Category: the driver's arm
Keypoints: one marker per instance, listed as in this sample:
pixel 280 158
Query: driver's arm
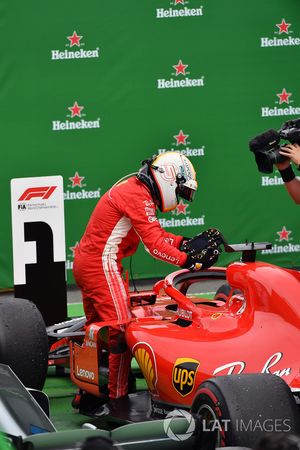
pixel 158 242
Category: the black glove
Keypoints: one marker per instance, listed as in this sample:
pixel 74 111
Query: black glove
pixel 203 250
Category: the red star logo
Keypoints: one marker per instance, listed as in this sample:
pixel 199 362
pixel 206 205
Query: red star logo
pixel 181 138
pixel 76 180
pixel 283 27
pixel 180 68
pixel 179 1
pixel 73 249
pixel 284 234
pixel 284 97
pixel 76 110
pixel 181 208
pixel 74 39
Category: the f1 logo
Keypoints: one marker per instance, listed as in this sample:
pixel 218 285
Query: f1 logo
pixel 44 192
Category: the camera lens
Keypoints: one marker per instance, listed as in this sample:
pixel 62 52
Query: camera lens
pixel 276 157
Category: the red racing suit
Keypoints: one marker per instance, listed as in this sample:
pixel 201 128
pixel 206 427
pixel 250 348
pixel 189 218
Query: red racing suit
pixel 124 216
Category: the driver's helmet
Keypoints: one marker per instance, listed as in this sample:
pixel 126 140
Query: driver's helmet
pixel 168 176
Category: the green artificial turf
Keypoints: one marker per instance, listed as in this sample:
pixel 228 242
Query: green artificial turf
pixel 61 391
pixel 4 443
pixel 75 310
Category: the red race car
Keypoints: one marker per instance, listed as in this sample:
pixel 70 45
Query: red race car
pixel 214 357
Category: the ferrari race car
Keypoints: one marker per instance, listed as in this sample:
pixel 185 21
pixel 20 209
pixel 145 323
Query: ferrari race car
pixel 232 361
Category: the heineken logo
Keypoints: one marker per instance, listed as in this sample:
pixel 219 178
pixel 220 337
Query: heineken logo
pixel 74 39
pixel 182 144
pixel 284 39
pixel 76 189
pixel 181 216
pixel 184 222
pixel 283 27
pixel 181 79
pixel 284 234
pixel 283 244
pixel 75 111
pixel 82 195
pixel 284 101
pixel 179 8
pixel 76 180
pixel 73 249
pixel 275 180
pixel 181 138
pixel 284 97
pixel 75 44
pixel 181 208
pixel 180 68
pixel 70 255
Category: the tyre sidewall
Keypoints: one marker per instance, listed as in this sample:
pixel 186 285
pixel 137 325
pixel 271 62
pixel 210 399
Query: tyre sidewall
pixel 23 341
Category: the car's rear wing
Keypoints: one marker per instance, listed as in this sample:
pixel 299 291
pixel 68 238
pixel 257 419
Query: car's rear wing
pixel 248 249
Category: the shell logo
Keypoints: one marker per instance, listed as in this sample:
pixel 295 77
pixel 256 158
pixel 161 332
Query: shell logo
pixel 144 355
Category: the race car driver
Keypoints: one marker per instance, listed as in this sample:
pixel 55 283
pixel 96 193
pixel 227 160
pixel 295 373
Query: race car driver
pixel 124 216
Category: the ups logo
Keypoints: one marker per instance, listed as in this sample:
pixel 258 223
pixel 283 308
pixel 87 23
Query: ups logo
pixel 184 374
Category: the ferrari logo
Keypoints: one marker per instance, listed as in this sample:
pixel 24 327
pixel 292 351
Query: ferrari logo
pixel 184 374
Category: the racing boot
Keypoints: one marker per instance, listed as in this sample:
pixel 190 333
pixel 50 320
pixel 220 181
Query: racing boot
pixel 89 404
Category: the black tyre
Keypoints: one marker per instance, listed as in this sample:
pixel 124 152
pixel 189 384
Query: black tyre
pixel 243 408
pixel 23 341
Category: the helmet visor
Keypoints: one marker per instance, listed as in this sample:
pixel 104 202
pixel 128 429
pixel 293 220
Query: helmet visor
pixel 185 192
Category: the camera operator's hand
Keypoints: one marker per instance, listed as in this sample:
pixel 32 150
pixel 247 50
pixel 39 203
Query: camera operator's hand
pixel 292 151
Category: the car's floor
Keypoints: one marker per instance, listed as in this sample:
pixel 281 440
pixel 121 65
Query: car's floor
pixel 61 391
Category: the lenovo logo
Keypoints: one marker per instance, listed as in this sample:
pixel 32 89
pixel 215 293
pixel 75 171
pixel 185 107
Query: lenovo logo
pixel 43 192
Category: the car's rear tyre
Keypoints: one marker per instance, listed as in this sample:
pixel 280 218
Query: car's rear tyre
pixel 23 341
pixel 245 407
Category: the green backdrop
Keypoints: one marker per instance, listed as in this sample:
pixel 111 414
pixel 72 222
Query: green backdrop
pixel 89 89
